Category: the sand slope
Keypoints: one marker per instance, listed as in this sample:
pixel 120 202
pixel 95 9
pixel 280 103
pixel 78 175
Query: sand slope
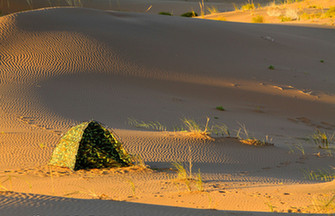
pixel 60 66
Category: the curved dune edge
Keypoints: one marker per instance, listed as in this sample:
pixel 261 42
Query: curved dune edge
pixel 63 65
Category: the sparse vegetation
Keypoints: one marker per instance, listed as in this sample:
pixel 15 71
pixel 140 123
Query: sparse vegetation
pixel 189 14
pixel 138 161
pixel 320 174
pixel 9 179
pixel 154 125
pixel 132 186
pixel 258 19
pixel 326 204
pixel 300 148
pixel 322 61
pixel 212 10
pixel 189 126
pixel 285 19
pixel 330 13
pixel 221 18
pixel 199 182
pixel 271 67
pixel 271 207
pixel 183 175
pixel 323 139
pixel 220 108
pixel 165 13
pixel 193 127
pixel 249 6
pixel 243 135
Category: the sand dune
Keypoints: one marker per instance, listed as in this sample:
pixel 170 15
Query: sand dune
pixel 61 66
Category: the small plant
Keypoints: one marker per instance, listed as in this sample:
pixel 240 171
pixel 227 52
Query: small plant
pixel 132 186
pixel 154 125
pixel 285 19
pixel 138 161
pixel 235 7
pixel 271 67
pixel 221 129
pixel 202 8
pixel 183 175
pixel 165 13
pixel 221 18
pixel 52 180
pixel 30 3
pixel 212 10
pixel 196 130
pixel 258 19
pixel 325 205
pixel 9 179
pixel 320 175
pixel 322 139
pixel 148 8
pixel 189 14
pixel 247 7
pixel 189 126
pixel 243 135
pixel 330 13
pixel 300 148
pixel 242 131
pixel 220 108
pixel 271 207
pixel 200 183
pixel 322 61
pixel 91 193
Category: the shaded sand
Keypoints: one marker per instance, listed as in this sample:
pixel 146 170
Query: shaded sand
pixel 60 66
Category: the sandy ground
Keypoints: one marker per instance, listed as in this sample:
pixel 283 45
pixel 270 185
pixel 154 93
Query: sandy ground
pixel 306 12
pixel 175 7
pixel 61 66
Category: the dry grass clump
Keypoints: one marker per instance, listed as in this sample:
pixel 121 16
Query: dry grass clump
pixel 258 19
pixel 247 7
pixel 330 13
pixel 255 142
pixel 193 129
pixel 186 177
pixel 189 127
pixel 323 139
pixel 243 135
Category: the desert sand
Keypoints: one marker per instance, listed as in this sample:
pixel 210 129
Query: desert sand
pixel 60 66
pixel 306 13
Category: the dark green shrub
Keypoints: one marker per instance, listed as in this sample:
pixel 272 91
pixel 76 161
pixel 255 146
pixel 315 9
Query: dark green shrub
pixel 165 13
pixel 189 14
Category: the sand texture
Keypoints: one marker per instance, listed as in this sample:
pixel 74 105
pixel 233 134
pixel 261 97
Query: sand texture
pixel 61 66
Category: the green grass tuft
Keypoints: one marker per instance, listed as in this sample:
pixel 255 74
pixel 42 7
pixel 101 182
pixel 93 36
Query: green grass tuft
pixel 220 108
pixel 271 67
